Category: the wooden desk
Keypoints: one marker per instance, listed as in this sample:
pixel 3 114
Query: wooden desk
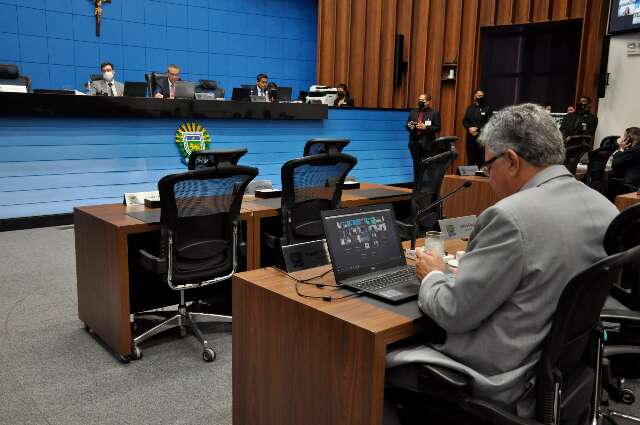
pixel 470 201
pixel 305 361
pixel 627 200
pixel 102 267
pixel 263 208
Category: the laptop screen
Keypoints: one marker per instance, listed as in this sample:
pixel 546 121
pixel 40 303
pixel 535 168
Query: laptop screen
pixel 362 240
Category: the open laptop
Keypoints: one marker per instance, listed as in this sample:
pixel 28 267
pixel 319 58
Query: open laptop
pixel 257 98
pixel 135 89
pixel 185 90
pixel 366 252
pixel 241 94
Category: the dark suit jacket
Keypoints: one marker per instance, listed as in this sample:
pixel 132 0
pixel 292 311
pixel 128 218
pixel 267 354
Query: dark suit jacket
pixel 578 124
pixel 429 133
pixel 476 116
pixel 348 102
pixel 162 87
pixel 626 165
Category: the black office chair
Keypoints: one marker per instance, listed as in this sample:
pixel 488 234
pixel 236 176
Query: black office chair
pixel 309 185
pixel 441 144
pixel 426 191
pixel 215 157
pixel 152 79
pixel 622 347
pixel 318 146
pixel 212 87
pixel 576 147
pixel 596 176
pixel 610 142
pixel 199 241
pixel 567 375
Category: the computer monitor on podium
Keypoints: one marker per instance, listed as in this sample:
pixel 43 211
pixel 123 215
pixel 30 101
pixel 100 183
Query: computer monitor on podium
pixel 318 146
pixel 215 157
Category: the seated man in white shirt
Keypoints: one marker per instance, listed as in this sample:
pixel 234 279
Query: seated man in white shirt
pixel 108 86
pixel 498 309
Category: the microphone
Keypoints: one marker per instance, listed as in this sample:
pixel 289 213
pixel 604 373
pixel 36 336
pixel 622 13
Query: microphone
pixel 464 185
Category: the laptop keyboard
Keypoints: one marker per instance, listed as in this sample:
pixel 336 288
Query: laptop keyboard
pixel 402 276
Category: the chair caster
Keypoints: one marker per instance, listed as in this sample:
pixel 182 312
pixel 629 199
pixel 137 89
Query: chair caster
pixel 627 396
pixel 88 329
pixel 136 353
pixel 208 355
pixel 124 359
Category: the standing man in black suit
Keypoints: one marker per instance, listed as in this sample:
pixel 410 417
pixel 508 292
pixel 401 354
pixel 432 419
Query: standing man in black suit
pixel 422 124
pixel 166 88
pixel 580 122
pixel 477 115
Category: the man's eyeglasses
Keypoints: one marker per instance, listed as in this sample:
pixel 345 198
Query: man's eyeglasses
pixel 486 168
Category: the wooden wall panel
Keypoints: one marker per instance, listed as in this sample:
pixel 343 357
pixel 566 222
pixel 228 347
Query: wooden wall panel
pixel 372 51
pixel 436 32
pixel 418 58
pixel 403 26
pixel 357 49
pixel 387 53
pixel 435 49
pixel 342 41
pixel 523 9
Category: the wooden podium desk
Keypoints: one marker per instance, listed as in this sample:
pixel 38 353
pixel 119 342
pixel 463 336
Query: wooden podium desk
pixel 627 200
pixel 308 361
pixel 469 201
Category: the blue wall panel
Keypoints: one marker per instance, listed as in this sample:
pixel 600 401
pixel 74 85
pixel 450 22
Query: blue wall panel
pixel 226 40
pixel 48 166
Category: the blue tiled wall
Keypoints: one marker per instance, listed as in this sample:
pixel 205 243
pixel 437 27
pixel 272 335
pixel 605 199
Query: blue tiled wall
pixel 54 41
pixel 48 165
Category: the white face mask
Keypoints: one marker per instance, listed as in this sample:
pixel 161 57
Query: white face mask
pixel 108 75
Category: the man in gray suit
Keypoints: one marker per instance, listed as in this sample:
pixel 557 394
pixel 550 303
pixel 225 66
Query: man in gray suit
pixel 108 86
pixel 523 250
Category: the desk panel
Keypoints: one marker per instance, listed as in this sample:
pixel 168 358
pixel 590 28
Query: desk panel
pixel 625 201
pixel 470 201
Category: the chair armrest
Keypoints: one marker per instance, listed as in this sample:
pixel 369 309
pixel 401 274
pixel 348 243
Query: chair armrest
pixel 620 316
pixel 494 414
pixel 152 263
pixel 273 241
pixel 405 230
pixel 617 350
pixel 443 383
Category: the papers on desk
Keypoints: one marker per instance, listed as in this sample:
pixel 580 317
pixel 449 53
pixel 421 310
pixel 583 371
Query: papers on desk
pixel 137 198
pixel 457 228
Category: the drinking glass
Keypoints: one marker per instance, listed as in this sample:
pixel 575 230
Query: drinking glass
pixel 433 241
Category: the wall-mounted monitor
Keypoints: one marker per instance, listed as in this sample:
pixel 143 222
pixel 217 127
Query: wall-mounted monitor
pixel 624 16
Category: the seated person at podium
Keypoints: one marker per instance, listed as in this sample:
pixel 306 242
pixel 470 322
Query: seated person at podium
pixel 261 88
pixel 626 161
pixel 343 98
pixel 108 86
pixel 498 308
pixel 166 88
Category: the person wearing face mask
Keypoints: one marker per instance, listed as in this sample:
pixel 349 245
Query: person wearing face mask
pixel 581 122
pixel 343 98
pixel 422 124
pixel 108 86
pixel 476 116
pixel 626 161
pixel 166 88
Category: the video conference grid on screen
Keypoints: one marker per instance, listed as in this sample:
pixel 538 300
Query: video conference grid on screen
pixel 365 240
pixel 625 16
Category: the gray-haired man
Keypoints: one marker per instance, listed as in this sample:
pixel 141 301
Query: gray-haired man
pixel 523 250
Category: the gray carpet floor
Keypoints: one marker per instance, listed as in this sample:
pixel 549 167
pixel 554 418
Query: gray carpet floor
pixel 53 372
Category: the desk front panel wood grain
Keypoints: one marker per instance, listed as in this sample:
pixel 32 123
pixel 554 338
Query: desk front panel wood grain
pixel 102 269
pixel 625 201
pixel 469 201
pixel 298 360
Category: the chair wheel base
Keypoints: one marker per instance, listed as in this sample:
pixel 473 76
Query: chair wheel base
pixel 208 355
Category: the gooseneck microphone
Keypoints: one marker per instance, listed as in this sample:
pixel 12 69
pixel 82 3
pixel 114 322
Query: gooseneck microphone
pixel 464 185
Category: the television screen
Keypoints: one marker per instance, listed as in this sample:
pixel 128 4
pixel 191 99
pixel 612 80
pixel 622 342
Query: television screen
pixel 624 16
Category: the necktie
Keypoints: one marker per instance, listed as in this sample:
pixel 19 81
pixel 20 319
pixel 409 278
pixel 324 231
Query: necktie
pixel 112 90
pixel 172 91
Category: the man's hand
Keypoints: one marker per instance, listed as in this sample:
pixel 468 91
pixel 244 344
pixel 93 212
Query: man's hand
pixel 473 131
pixel 427 262
pixel 411 125
pixel 625 144
pixel 158 96
pixel 421 126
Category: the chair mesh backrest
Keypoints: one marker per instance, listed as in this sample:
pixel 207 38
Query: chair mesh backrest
pixel 199 209
pixel 309 185
pixel 319 146
pixel 426 188
pixel 596 170
pixel 573 155
pixel 214 157
pixel 566 349
pixel 622 234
